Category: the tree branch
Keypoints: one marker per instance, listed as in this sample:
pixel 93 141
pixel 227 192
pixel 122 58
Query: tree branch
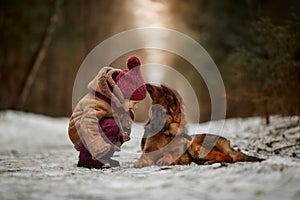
pixel 40 56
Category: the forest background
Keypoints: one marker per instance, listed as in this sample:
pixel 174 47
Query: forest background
pixel 254 43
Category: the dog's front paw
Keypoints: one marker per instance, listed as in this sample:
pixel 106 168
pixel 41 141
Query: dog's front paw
pixel 142 163
pixel 167 160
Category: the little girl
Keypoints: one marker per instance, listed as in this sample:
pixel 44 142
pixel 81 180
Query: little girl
pixel 101 121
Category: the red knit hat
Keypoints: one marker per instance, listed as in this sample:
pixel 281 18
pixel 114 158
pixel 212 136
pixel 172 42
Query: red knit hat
pixel 131 82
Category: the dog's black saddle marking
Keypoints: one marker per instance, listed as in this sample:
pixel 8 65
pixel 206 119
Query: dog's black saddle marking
pixel 184 135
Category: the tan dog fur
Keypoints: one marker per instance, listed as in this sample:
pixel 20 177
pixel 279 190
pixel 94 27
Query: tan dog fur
pixel 170 145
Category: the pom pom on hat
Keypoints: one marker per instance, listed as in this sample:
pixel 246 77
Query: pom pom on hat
pixel 130 80
pixel 132 62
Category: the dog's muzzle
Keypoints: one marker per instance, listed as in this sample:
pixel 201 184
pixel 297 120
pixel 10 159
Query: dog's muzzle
pixel 156 129
pixel 158 122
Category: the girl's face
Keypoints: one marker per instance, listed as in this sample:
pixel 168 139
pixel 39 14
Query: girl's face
pixel 131 104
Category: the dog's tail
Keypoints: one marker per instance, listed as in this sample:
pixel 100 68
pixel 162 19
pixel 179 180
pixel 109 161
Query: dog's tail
pixel 246 158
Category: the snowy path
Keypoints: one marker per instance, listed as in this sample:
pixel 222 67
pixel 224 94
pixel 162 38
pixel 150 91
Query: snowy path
pixel 37 161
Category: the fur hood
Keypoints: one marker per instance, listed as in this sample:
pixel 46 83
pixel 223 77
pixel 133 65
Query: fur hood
pixel 104 84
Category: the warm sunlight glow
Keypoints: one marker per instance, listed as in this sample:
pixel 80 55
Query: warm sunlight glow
pixel 151 13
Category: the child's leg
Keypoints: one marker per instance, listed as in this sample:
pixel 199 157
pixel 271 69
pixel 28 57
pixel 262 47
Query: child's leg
pixel 111 130
pixel 86 160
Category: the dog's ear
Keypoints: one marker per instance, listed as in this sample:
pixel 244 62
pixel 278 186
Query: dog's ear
pixel 172 95
pixel 167 92
pixel 164 88
pixel 149 88
pixel 177 96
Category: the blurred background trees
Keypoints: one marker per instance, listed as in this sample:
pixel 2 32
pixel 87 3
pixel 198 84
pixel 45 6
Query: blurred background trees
pixel 255 44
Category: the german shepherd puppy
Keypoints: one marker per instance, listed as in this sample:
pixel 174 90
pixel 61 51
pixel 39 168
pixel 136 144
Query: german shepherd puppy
pixel 166 141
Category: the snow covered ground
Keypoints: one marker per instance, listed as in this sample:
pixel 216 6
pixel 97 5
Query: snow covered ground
pixel 37 161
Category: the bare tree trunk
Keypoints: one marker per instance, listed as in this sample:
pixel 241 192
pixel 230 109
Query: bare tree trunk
pixel 39 58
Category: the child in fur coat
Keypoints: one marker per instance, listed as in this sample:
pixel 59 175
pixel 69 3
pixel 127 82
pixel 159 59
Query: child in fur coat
pixel 101 121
